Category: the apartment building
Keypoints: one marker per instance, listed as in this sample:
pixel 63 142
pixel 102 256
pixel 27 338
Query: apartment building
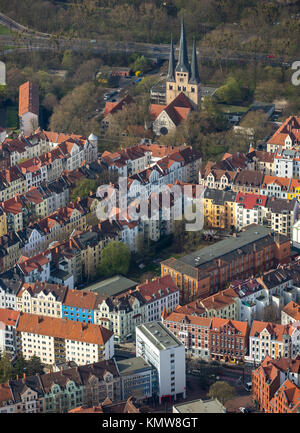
pixel 160 348
pixel 191 330
pixel 54 339
pixel 260 160
pixel 287 163
pixel 137 377
pixel 228 340
pixel 41 298
pixel 252 298
pixel 290 313
pixel 286 136
pixel 275 385
pixel 248 181
pixel 80 305
pixel 223 304
pixel 216 178
pixel 275 186
pixel 219 208
pixel 12 181
pixel 63 390
pixel 9 288
pixel 123 311
pixel 281 215
pixel 8 335
pixel 267 338
pixel 250 209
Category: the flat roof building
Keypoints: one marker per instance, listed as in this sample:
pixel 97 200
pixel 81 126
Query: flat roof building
pixel 160 348
pixel 112 286
pixel 200 406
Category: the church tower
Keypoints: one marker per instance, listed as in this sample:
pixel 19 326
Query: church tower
pixel 184 78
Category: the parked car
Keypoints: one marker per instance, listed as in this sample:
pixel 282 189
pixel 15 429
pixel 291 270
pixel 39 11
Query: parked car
pixel 244 410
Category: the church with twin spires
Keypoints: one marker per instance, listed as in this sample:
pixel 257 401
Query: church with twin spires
pixel 182 92
pixel 184 77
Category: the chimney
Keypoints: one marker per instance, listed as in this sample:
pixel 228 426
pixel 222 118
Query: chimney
pixel 234 235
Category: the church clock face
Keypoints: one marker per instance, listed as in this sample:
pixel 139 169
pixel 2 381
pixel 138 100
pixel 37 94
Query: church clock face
pixel 163 130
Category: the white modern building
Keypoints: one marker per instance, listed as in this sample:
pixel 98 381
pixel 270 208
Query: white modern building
pixel 158 346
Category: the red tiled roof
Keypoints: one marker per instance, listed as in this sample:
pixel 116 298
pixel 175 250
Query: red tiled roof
pixel 275 329
pixel 189 319
pixel 148 288
pixel 293 310
pixel 63 328
pixel 28 98
pixel 8 316
pixel 249 201
pixel 113 107
pixel 217 322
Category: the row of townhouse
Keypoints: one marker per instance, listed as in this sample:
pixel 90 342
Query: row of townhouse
pixel 67 156
pixel 227 210
pixel 105 382
pixel 124 311
pixel 250 299
pixel 37 202
pixel 276 385
pixel 250 181
pixel 182 165
pixel 129 161
pixel 56 339
pixel 233 340
pixel 209 338
pixel 120 312
pixel 68 262
pixel 43 142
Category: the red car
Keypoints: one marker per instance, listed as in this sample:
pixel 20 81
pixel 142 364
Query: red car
pixel 271 56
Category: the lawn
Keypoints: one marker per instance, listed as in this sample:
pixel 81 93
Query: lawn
pixel 4 30
pixel 12 119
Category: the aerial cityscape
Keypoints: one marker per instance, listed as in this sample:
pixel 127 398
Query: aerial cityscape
pixel 149 208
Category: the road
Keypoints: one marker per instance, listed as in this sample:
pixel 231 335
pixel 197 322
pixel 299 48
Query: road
pixel 27 39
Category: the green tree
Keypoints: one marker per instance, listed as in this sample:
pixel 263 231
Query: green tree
pixel 5 367
pixel 19 366
pixel 115 259
pixel 222 391
pixel 77 110
pixel 179 236
pixel 231 92
pixel 68 60
pixel 82 189
pixel 142 64
pixel 34 366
